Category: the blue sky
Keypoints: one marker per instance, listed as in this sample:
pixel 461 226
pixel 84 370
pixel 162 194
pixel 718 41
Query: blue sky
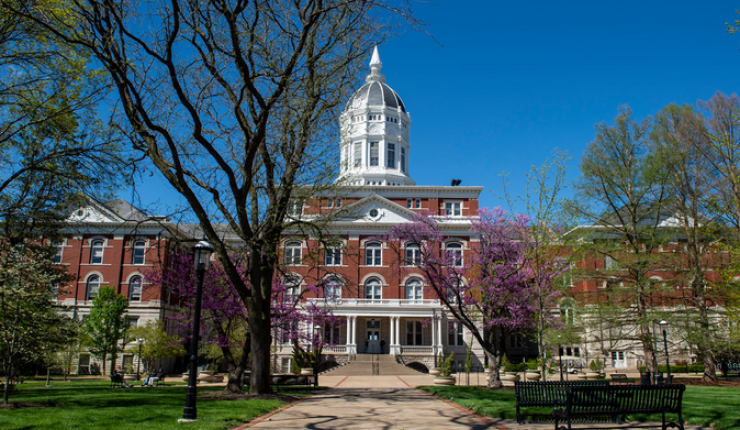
pixel 501 84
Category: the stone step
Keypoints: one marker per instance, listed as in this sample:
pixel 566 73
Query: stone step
pixel 372 364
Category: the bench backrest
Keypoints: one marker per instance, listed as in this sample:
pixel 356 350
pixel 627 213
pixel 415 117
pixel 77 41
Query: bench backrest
pixel 550 391
pixel 642 398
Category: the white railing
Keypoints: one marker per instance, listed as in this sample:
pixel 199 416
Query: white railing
pixel 417 350
pixel 375 302
pixel 337 349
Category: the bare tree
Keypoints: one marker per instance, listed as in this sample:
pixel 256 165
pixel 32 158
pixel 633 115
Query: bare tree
pixel 235 103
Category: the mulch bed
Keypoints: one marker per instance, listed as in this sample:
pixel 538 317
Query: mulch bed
pixel 734 382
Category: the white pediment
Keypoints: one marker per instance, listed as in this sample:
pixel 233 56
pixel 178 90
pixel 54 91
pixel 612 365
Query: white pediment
pixel 376 209
pixel 92 214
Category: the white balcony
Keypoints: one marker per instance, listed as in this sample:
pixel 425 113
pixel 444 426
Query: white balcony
pixel 388 303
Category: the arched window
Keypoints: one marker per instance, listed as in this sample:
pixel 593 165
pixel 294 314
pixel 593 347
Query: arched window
pixel 134 288
pixel 293 253
pixel 455 250
pixel 332 289
pixel 93 286
pixel 96 251
pixel 373 254
pixel 139 251
pixel 414 289
pixel 292 287
pixel 413 254
pixel 373 289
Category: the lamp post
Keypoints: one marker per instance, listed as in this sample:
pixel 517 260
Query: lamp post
pixel 201 255
pixel 664 326
pixel 560 359
pixel 140 341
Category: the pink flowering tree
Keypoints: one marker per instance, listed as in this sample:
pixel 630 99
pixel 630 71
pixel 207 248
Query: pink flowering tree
pixel 493 293
pixel 224 319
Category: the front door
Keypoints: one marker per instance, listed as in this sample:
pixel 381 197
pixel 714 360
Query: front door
pixel 618 360
pixel 372 337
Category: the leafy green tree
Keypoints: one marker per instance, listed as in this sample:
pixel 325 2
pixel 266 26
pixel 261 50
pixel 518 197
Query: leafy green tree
pixel 53 147
pixel 158 345
pixel 30 327
pixel 623 198
pixel 106 325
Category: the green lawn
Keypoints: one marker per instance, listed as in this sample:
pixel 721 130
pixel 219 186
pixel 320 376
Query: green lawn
pixel 702 406
pixel 83 405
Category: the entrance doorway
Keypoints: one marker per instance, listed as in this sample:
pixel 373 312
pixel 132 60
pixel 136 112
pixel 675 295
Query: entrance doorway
pixel 372 337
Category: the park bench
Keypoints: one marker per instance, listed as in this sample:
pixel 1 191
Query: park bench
pixel 546 394
pixel 289 379
pixel 614 402
pixel 159 378
pixel 619 378
pixel 116 381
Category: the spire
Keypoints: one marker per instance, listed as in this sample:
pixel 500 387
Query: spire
pixel 375 66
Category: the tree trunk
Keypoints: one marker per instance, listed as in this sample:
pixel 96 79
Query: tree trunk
pixel 260 325
pixel 235 382
pixel 6 388
pixel 48 374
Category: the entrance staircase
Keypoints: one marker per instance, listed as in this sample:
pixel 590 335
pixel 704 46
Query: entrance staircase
pixel 372 364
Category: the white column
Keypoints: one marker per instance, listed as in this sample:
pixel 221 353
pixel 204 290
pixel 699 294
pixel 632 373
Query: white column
pixel 392 340
pixel 439 332
pixel 348 341
pixel 398 330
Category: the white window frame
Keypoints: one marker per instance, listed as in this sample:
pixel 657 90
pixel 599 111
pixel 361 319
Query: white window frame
pixel 292 287
pixel 332 288
pixel 139 249
pixel 455 334
pixel 453 208
pixel 131 285
pixel 412 254
pixel 293 251
pixel 373 289
pixel 295 208
pixel 414 333
pixel 373 154
pixel 357 154
pixel 373 254
pixel 99 249
pixel 391 156
pixel 455 249
pixel 59 247
pixel 414 290
pixel 89 283
pixel 333 254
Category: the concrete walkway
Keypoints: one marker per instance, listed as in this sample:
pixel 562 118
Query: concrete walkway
pixel 381 403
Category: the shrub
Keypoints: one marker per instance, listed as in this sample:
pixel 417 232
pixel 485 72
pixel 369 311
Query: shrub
pixel 446 369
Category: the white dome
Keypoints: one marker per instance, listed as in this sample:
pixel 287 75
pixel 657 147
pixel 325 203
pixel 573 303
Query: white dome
pixel 376 94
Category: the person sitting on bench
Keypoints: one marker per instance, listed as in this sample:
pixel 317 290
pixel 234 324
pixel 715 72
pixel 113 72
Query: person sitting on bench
pixel 117 377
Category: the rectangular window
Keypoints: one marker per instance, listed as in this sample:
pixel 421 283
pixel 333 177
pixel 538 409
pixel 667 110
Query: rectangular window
pixel 455 334
pixel 329 203
pixel 391 160
pixel 409 203
pixel 339 202
pixel 59 246
pixel 403 159
pixel 414 333
pixel 453 208
pixel 374 153
pixel 358 154
pixel 333 254
pixel 295 208
pixel 139 251
pixel 417 204
pixel 96 252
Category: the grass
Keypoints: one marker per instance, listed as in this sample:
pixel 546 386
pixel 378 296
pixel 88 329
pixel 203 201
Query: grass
pixel 702 406
pixel 83 405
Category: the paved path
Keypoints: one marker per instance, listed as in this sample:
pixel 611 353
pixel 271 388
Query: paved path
pixel 381 403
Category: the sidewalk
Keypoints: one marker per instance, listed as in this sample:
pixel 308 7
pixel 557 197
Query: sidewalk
pixel 381 403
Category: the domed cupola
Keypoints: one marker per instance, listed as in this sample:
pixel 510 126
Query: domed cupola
pixel 375 134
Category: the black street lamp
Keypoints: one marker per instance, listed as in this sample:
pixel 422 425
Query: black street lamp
pixel 138 363
pixel 664 326
pixel 560 358
pixel 201 255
